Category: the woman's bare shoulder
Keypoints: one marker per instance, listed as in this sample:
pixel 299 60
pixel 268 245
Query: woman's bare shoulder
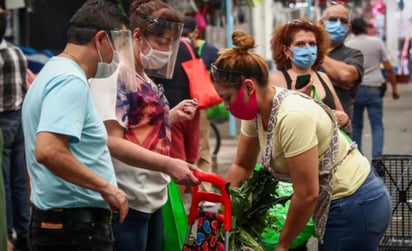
pixel 277 79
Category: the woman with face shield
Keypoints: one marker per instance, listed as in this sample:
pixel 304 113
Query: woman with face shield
pixel 299 141
pixel 139 134
pixel 298 49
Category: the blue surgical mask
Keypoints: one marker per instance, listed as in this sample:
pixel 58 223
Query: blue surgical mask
pixel 337 31
pixel 304 57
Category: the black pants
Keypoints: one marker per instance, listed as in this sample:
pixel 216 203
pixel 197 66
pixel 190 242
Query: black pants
pixel 64 231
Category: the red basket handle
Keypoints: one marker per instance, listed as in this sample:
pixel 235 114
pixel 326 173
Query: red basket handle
pixel 223 197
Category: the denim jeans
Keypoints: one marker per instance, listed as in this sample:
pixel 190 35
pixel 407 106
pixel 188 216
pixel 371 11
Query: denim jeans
pixel 370 99
pixel 358 222
pixel 14 166
pixel 139 231
pixel 72 237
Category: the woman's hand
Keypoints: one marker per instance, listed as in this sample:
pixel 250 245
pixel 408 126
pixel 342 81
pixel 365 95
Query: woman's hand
pixel 185 110
pixel 342 119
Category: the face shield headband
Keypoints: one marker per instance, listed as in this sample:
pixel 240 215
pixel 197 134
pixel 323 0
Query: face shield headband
pixel 227 77
pixel 166 31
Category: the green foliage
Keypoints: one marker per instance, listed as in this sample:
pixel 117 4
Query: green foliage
pixel 250 209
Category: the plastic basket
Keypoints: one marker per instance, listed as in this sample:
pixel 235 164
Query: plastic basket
pixel 394 243
pixel 396 173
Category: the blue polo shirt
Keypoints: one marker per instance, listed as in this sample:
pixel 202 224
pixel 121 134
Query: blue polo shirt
pixel 59 101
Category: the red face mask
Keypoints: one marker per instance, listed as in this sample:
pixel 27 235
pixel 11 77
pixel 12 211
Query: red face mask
pixel 242 110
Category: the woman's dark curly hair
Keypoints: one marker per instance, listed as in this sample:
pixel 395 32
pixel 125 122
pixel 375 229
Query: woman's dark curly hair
pixel 283 36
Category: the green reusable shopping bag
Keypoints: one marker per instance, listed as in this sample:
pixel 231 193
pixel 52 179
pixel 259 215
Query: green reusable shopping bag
pixel 218 112
pixel 174 220
pixel 270 236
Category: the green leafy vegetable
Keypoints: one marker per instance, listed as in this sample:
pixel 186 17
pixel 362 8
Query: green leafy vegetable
pixel 250 209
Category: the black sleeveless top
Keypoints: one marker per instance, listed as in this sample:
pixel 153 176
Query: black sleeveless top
pixel 328 100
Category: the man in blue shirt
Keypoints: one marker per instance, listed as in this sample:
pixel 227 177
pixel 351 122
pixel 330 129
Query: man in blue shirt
pixel 73 184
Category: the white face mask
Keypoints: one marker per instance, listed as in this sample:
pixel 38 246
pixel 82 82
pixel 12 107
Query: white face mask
pixel 154 59
pixel 105 70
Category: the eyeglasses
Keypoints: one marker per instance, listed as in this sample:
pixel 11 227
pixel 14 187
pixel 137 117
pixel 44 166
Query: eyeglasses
pixel 297 22
pixel 226 76
pixel 149 19
pixel 343 20
pixel 154 22
pixel 343 3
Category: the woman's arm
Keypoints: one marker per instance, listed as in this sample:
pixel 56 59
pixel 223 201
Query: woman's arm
pixel 343 75
pixel 304 173
pixel 136 155
pixel 245 160
pixel 341 116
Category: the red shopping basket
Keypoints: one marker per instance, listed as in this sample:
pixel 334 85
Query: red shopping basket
pixel 205 237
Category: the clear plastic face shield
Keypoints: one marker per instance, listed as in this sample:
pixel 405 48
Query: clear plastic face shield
pixel 123 78
pixel 162 38
pixel 123 47
pixel 121 71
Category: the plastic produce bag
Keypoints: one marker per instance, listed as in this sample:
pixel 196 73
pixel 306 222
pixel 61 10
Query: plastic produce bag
pixel 271 236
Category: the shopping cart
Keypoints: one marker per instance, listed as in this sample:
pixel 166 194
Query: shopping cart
pixel 205 236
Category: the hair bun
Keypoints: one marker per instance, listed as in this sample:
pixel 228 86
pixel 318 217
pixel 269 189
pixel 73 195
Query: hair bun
pixel 242 41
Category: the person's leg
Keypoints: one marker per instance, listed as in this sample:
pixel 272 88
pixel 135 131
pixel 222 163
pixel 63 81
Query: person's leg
pixel 132 234
pixel 155 232
pixel 357 119
pixel 205 159
pixel 7 127
pixel 375 113
pixel 3 224
pixel 359 221
pixel 19 197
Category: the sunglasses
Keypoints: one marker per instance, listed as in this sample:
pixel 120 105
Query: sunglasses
pixel 297 22
pixel 343 3
pixel 343 20
pixel 226 76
